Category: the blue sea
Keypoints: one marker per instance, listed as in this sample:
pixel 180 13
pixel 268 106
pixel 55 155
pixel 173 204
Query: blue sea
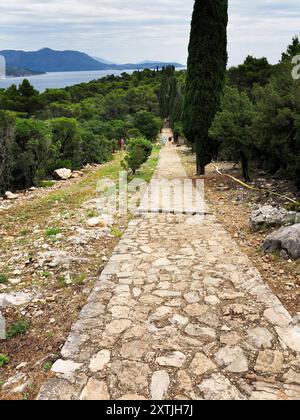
pixel 60 80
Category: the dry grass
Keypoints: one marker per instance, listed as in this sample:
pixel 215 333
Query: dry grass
pixel 47 220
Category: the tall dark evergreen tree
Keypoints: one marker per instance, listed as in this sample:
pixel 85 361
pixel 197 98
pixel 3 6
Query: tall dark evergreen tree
pixel 168 91
pixel 7 127
pixel 205 75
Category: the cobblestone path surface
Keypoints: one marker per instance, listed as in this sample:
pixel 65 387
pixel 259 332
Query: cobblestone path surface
pixel 179 312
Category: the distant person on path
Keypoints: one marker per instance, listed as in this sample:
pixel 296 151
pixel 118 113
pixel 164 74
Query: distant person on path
pixel 122 144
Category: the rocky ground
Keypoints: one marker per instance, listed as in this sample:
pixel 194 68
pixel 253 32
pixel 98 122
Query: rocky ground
pixel 179 312
pixel 53 248
pixel 233 205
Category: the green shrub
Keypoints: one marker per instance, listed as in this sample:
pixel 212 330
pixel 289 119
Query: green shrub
pixel 138 151
pixel 52 232
pixel 4 359
pixel 116 232
pixel 45 184
pixel 47 366
pixel 62 281
pixel 46 274
pixel 3 278
pixel 18 328
pixel 79 280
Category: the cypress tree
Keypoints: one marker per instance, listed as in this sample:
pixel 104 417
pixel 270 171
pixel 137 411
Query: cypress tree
pixel 205 75
pixel 167 92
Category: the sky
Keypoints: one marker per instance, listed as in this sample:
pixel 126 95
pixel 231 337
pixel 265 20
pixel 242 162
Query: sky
pixel 124 31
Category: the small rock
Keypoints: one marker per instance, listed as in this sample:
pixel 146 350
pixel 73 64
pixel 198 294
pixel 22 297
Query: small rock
pixel 14 281
pixel 218 387
pixel 160 313
pixel 201 365
pixel 196 310
pixel 96 222
pixel 269 361
pixel 14 380
pixel 205 333
pixel 95 391
pixel 269 216
pixel 230 339
pixel 63 173
pixel 10 196
pixel 184 382
pixel 20 389
pixel 15 299
pixel 116 327
pixel 175 359
pixel 290 336
pixel 292 377
pixel 162 262
pixel 278 315
pixel 17 273
pixel 132 375
pixel 192 297
pixel 134 350
pixel 99 361
pixel 21 366
pixel 66 367
pixel 233 358
pixel 212 300
pixel 179 320
pixel 286 239
pixel 160 385
pixel 260 338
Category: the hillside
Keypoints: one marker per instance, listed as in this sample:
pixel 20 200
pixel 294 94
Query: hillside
pixel 20 72
pixel 48 60
pixel 145 65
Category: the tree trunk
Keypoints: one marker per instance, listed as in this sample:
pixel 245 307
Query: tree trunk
pixel 199 166
pixel 245 165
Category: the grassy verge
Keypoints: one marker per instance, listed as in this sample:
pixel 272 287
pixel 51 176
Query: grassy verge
pixel 48 222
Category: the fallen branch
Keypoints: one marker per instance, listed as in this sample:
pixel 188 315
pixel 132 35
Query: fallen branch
pixel 251 187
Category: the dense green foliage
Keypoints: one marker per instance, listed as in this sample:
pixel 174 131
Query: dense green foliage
pixel 4 360
pixel 292 50
pixel 41 132
pixel 232 127
pixel 205 75
pixel 138 151
pixel 253 70
pixel 259 123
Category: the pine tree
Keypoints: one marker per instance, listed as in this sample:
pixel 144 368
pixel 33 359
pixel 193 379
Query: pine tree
pixel 292 50
pixel 205 75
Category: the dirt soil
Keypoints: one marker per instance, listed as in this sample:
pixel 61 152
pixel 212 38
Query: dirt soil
pixel 49 252
pixel 233 204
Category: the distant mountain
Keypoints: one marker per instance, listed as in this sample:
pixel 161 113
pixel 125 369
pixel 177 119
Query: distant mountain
pixel 151 62
pixel 47 60
pixel 148 65
pixel 102 60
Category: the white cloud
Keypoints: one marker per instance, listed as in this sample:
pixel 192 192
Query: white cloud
pixel 127 30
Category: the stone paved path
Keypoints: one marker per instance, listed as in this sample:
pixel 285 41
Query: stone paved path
pixel 179 312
